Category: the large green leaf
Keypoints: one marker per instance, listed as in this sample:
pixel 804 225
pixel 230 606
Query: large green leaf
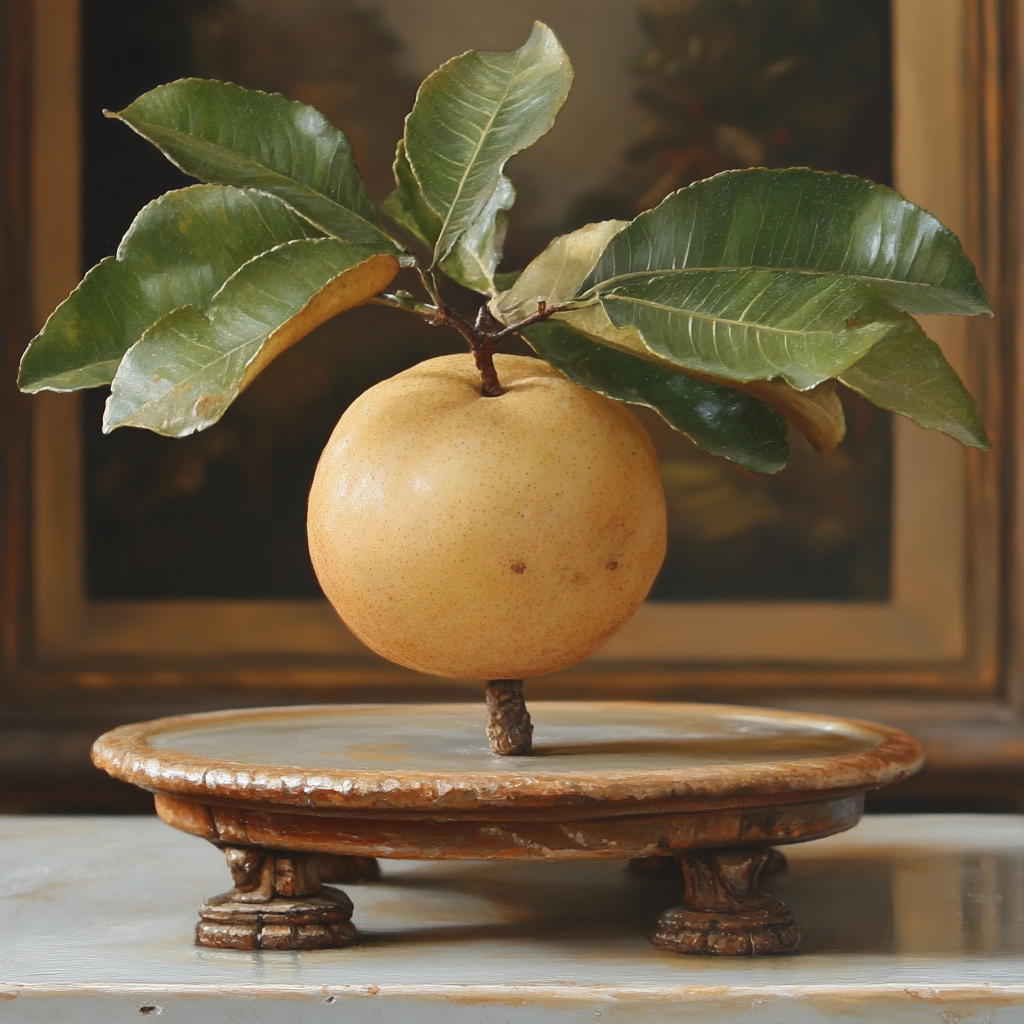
pixel 908 374
pixel 817 413
pixel 812 221
pixel 179 250
pixel 470 117
pixel 555 276
pixel 185 371
pixel 775 282
pixel 227 135
pixel 721 420
pixel 746 325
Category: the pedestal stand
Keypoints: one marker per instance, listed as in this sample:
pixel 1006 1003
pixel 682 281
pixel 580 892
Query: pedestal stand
pixel 300 796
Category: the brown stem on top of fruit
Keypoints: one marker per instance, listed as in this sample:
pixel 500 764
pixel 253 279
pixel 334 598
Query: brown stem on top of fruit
pixel 490 386
pixel 508 722
pixel 484 336
pixel 479 342
pixel 483 354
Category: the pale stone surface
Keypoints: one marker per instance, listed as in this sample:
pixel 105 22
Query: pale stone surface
pixel 909 919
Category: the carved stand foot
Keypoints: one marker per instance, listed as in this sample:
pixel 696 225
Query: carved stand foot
pixel 724 911
pixel 279 902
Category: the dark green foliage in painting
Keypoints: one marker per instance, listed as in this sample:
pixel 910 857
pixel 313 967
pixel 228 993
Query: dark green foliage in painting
pixel 740 83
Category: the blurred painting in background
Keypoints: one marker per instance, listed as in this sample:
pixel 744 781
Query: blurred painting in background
pixel 667 92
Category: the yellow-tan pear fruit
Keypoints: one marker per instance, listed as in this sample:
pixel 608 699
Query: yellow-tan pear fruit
pixel 486 538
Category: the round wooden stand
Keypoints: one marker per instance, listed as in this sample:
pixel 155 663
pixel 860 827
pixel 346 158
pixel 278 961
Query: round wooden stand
pixel 301 796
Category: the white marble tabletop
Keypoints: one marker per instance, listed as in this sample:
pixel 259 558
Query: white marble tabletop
pixel 907 918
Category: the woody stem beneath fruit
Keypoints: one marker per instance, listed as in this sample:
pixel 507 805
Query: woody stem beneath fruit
pixel 508 722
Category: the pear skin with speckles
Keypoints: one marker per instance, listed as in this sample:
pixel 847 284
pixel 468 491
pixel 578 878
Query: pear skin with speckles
pixel 486 538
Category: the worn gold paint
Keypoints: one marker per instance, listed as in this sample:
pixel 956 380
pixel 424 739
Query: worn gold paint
pixel 525 837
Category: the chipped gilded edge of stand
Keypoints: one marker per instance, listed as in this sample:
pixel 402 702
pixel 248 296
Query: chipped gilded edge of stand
pixel 127 754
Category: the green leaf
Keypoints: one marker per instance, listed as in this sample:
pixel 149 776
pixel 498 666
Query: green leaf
pixel 475 256
pixel 185 371
pixel 178 251
pixel 477 253
pixel 817 413
pixel 227 135
pixel 406 205
pixel 908 374
pixel 721 420
pixel 813 221
pixel 746 325
pixel 775 282
pixel 503 281
pixel 473 114
pixel 555 276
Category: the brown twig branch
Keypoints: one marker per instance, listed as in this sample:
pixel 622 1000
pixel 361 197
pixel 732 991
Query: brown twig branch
pixel 486 335
pixel 543 312
pixel 483 336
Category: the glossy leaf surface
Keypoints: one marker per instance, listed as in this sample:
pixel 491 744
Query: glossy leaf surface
pixel 818 222
pixel 227 135
pixel 185 371
pixel 179 250
pixel 721 420
pixel 909 374
pixel 470 116
pixel 406 205
pixel 556 275
pixel 748 325
pixel 476 255
pixel 816 413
